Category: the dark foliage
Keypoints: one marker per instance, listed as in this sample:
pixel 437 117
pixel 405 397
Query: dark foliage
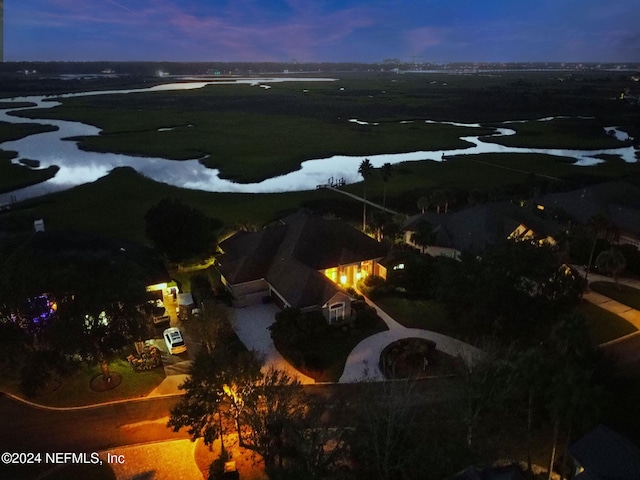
pixel 181 232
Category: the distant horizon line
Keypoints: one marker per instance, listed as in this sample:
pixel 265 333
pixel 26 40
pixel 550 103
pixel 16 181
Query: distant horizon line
pixel 341 62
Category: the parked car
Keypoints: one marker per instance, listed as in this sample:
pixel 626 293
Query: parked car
pixel 174 340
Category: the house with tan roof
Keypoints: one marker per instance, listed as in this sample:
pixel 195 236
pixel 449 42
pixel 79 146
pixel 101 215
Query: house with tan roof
pixel 301 261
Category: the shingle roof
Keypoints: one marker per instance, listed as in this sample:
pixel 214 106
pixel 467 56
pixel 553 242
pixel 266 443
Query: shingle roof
pixel 619 200
pixel 290 254
pixel 606 455
pixel 473 228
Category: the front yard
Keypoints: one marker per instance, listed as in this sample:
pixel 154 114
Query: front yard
pixel 74 390
pixel 322 354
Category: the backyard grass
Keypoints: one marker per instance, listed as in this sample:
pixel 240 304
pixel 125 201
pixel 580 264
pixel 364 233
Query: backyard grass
pixel 626 295
pixel 604 326
pixel 75 391
pixel 424 314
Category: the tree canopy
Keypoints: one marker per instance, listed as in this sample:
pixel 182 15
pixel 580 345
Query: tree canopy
pixel 181 232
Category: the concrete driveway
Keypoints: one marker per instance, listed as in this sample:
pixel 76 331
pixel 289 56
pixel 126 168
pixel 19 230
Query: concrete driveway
pixel 362 362
pixel 251 324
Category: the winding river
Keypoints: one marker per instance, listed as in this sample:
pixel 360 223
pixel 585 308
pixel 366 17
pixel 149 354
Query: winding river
pixel 78 167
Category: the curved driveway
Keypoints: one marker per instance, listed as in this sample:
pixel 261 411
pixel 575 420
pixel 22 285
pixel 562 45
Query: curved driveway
pixel 362 362
pixel 251 324
pixel 252 327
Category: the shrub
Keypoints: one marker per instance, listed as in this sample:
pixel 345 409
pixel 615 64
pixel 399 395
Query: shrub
pixel 373 286
pixel 293 327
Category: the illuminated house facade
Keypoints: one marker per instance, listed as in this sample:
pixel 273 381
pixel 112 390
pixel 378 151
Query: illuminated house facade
pixel 302 261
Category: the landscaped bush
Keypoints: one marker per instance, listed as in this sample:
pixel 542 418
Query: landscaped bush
pixel 407 358
pixel 292 327
pixel 201 288
pixel 366 316
pixel 373 286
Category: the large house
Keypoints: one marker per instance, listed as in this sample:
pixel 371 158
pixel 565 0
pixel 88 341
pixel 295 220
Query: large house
pixel 302 261
pixel 475 228
pixel 619 201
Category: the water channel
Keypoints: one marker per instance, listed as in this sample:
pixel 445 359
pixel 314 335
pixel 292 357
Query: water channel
pixel 78 167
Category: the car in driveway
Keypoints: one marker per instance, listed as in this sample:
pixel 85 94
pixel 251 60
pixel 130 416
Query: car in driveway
pixel 174 340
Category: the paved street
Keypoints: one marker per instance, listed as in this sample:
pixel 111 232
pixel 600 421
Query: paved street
pixel 29 429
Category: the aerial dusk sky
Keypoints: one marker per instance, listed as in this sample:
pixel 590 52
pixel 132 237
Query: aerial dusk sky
pixel 435 31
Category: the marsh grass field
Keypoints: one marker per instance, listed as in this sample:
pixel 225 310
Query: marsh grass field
pixel 251 133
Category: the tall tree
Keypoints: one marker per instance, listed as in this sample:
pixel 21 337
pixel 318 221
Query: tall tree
pixel 386 172
pixel 365 169
pixel 212 324
pixel 613 262
pixel 274 415
pixel 422 235
pixel 101 311
pixel 423 203
pixel 181 232
pixel 574 396
pixel 214 379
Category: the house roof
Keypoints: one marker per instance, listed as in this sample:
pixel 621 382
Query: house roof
pixel 606 455
pixel 290 253
pixel 618 200
pixel 473 228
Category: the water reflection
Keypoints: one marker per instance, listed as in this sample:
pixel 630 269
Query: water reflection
pixel 78 167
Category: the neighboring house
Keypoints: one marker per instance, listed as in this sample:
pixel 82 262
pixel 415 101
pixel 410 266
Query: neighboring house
pixel 603 454
pixel 474 228
pixel 302 261
pixel 617 200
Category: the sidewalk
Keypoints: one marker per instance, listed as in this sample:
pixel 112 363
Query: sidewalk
pixel 631 315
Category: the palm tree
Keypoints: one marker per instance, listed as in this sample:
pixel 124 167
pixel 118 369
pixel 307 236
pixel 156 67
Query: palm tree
pixel 423 235
pixel 386 171
pixel 611 261
pixel 423 203
pixel 365 170
pixel 438 198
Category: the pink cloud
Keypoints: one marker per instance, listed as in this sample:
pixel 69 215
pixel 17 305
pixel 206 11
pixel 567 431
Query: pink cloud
pixel 421 38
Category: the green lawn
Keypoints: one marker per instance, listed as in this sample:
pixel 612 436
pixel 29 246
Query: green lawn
pixel 425 314
pixel 75 391
pixel 604 326
pixel 627 295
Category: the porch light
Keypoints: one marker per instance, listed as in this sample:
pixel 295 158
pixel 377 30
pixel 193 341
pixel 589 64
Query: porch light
pixel 343 279
pixel 358 275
